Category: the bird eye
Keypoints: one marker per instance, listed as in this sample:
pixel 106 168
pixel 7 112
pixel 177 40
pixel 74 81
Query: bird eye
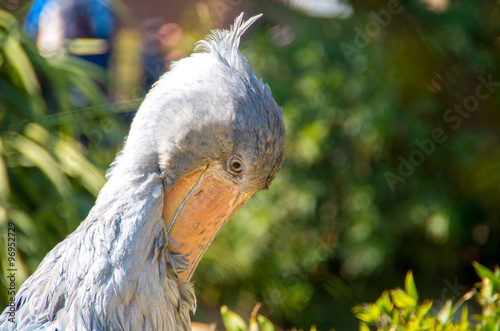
pixel 235 164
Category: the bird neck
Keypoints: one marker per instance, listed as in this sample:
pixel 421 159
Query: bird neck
pixel 128 212
pixel 121 250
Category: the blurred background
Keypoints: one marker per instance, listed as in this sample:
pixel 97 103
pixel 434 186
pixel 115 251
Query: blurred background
pixel 392 111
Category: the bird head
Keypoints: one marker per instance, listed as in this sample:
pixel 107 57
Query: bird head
pixel 213 132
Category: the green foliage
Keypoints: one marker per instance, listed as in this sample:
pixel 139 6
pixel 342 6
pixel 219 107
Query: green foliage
pixel 258 322
pixel 233 322
pixel 488 298
pixel 399 309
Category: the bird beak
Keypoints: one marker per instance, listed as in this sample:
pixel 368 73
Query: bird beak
pixel 195 209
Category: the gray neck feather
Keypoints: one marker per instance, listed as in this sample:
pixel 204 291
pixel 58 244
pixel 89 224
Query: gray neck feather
pixel 114 272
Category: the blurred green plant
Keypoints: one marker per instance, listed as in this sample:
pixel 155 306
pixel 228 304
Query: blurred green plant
pixel 233 322
pixel 399 309
pixel 51 111
pixel 258 322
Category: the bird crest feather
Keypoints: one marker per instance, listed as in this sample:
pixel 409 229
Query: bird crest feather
pixel 225 43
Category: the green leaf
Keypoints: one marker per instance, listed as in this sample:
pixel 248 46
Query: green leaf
pixel 486 273
pixel 410 287
pixel 41 158
pixel 384 302
pixel 22 73
pixel 445 313
pixel 464 319
pixel 9 22
pixel 77 165
pixel 482 271
pixel 369 313
pixel 423 309
pixel 402 300
pixel 363 327
pixel 265 324
pixel 232 321
pixel 395 317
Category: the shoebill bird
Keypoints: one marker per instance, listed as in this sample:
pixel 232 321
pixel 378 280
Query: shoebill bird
pixel 207 136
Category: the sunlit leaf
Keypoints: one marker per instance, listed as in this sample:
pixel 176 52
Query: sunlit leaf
pixel 265 324
pixel 424 308
pixel 402 300
pixel 482 271
pixel 42 159
pixel 367 313
pixel 363 327
pixel 232 321
pixel 75 164
pixel 23 73
pixel 444 313
pixel 410 288
pixel 486 273
pixel 9 22
pixel 384 302
pixel 464 319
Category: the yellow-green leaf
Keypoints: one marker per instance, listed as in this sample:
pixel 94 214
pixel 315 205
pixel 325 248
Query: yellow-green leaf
pixel 424 308
pixel 363 327
pixel 445 313
pixel 410 287
pixel 265 324
pixel 232 321
pixel 77 165
pixel 8 22
pixel 464 319
pixel 23 73
pixel 368 313
pixel 42 159
pixel 402 300
pixel 482 271
pixel 384 302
